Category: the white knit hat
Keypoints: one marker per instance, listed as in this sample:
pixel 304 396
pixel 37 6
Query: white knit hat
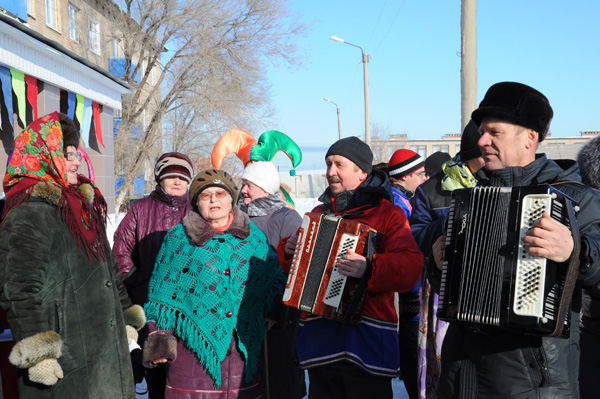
pixel 264 175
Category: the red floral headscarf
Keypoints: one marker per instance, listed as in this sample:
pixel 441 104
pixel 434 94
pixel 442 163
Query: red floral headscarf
pixel 38 158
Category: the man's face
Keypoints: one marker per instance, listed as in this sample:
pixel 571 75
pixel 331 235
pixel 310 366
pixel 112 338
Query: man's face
pixel 343 174
pixel 414 180
pixel 504 144
pixel 251 191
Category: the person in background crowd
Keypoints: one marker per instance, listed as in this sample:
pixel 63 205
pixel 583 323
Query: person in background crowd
pixel 431 205
pixel 65 301
pixel 358 361
pixel 407 171
pixel 513 119
pixel 434 162
pixel 589 365
pixel 265 207
pixel 214 281
pixel 139 236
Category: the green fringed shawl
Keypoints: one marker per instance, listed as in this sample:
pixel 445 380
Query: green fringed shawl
pixel 203 293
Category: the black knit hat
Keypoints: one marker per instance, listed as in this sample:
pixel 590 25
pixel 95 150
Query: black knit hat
pixel 434 162
pixel 355 150
pixel 468 142
pixel 173 164
pixel 211 178
pixel 516 103
pixel 589 163
pixel 70 133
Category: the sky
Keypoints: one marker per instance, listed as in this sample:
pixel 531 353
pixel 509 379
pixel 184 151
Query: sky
pixel 414 67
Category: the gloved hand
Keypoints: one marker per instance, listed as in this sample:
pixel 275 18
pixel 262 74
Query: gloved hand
pixel 132 333
pixel 46 372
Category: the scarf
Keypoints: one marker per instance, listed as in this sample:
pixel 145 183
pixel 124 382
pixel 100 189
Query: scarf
pixel 208 284
pixel 263 206
pixel 38 158
pixel 457 175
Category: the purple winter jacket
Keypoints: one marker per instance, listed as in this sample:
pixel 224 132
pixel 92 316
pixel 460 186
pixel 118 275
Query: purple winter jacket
pixel 140 235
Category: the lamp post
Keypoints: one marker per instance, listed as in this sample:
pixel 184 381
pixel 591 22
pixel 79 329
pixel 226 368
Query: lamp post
pixel 365 62
pixel 338 115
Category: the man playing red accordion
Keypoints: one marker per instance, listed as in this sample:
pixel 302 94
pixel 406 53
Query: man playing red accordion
pixel 358 361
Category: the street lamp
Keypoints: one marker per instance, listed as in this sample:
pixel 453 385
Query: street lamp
pixel 338 115
pixel 365 61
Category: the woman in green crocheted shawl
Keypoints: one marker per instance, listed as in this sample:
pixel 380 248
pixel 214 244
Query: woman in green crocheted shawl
pixel 214 281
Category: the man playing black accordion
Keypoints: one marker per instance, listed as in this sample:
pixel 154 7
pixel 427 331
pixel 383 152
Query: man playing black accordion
pixel 483 363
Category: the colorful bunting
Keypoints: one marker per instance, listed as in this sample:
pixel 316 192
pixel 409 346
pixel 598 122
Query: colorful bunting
pixel 18 85
pixel 71 104
pixel 86 123
pixel 32 94
pixel 98 123
pixel 5 79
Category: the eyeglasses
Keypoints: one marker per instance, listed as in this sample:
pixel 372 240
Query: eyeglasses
pixel 421 173
pixel 71 156
pixel 219 194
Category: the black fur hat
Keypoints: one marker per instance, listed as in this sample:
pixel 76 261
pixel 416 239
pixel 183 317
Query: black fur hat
pixel 589 163
pixel 516 103
pixel 70 133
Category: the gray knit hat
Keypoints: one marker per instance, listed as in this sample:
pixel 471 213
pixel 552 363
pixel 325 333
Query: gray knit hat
pixel 355 150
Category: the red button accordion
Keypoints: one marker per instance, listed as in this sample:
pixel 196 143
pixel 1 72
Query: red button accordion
pixel 488 277
pixel 314 283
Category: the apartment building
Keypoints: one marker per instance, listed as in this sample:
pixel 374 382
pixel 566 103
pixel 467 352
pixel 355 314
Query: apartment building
pixel 64 55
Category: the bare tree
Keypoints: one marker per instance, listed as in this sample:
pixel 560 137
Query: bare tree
pixel 197 68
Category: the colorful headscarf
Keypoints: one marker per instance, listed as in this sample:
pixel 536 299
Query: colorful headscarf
pixel 38 158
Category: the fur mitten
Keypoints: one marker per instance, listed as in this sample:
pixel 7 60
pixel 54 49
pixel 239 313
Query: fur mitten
pixel 132 333
pixel 135 316
pixel 38 353
pixel 46 372
pixel 159 345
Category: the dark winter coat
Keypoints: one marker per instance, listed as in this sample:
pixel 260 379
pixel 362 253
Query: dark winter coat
pixel 491 364
pixel 430 206
pixel 286 378
pixel 139 237
pixel 49 285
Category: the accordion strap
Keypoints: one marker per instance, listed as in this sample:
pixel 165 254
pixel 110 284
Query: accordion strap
pixel 361 290
pixel 571 274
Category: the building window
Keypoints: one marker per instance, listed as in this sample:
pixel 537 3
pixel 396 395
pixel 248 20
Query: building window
pixel 443 148
pixel 51 14
pixel 94 36
pixel 30 7
pixel 420 149
pixel 117 48
pixel 74 23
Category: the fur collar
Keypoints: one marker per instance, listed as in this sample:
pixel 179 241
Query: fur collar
pixel 51 193
pixel 199 231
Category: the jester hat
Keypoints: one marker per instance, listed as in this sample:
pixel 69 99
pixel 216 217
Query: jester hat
pixel 247 149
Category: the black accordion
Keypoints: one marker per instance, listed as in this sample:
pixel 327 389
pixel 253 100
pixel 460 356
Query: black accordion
pixel 314 283
pixel 489 280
